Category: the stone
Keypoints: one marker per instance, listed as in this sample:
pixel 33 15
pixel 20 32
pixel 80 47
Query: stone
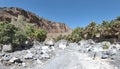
pixel 106 44
pixel 52 48
pixel 62 46
pixel 7 48
pixel 14 59
pixel 45 55
pixel 117 46
pixel 82 42
pixel 29 55
pixel 86 42
pixel 61 41
pixel 73 44
pixel 38 61
pixel 6 57
pixel 97 48
pixel 49 42
pixel 105 55
pixel 90 41
pixel 36 44
pixel 24 64
pixel 112 50
pixel 45 49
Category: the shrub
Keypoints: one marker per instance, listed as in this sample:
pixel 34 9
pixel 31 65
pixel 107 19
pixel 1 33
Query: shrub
pixel 28 30
pixel 10 34
pixel 19 38
pixel 7 32
pixel 40 35
pixel 76 35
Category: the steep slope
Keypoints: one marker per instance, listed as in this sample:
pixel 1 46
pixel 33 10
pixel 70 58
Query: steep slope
pixel 6 14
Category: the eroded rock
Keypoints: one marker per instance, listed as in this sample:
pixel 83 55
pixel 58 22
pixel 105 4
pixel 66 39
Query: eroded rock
pixel 7 48
pixel 14 59
pixel 29 55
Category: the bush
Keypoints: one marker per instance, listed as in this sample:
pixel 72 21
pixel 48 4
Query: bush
pixel 7 32
pixel 17 32
pixel 10 34
pixel 76 35
pixel 19 38
pixel 40 35
pixel 28 30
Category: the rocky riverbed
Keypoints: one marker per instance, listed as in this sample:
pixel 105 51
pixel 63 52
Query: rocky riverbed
pixel 86 54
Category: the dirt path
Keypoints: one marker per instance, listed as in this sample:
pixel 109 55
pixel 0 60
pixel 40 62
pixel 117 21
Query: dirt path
pixel 71 58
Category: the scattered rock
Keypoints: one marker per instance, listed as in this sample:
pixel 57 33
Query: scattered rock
pixel 49 42
pixel 6 57
pixel 36 43
pixel 84 42
pixel 106 44
pixel 41 53
pixel 45 49
pixel 104 56
pixel 39 61
pixel 73 44
pixel 112 50
pixel 24 64
pixel 62 44
pixel 116 45
pixel 7 48
pixel 14 59
pixel 45 55
pixel 52 48
pixel 29 55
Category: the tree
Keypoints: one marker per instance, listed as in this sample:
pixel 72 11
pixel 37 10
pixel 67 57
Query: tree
pixel 40 34
pixel 29 30
pixel 91 30
pixel 10 34
pixel 7 32
pixel 76 34
pixel 117 19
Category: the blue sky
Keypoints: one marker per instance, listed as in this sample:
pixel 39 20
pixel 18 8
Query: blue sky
pixel 72 12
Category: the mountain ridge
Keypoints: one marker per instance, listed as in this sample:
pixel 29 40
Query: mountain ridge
pixel 6 14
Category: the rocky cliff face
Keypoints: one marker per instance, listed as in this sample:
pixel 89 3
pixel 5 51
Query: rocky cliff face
pixel 6 14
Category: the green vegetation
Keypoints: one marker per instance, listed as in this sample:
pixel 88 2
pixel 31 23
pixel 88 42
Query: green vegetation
pixel 106 46
pixel 40 35
pixel 7 32
pixel 18 31
pixel 104 31
pixel 29 30
pixel 76 35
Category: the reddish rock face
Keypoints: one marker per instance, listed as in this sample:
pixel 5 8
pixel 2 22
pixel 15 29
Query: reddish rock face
pixel 6 14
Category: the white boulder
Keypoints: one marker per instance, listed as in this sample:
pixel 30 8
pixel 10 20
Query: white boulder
pixel 7 48
pixel 29 55
pixel 49 42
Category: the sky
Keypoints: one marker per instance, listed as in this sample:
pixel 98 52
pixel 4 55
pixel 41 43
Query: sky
pixel 74 13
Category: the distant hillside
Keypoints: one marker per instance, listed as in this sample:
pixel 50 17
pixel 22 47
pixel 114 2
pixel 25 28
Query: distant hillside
pixel 6 14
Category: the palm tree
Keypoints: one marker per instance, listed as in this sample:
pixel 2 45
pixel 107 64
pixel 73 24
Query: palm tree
pixel 106 29
pixel 91 30
pixel 116 29
pixel 117 19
